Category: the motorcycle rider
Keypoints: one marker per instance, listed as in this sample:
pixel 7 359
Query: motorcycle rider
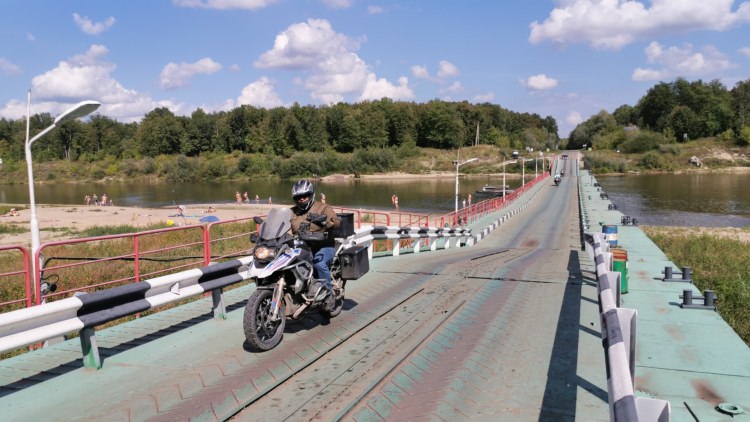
pixel 312 216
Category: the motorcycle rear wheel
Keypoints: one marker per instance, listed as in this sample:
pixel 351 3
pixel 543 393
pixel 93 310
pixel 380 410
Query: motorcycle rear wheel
pixel 262 333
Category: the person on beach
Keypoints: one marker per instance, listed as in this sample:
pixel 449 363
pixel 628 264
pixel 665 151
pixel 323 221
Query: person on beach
pixel 238 198
pixel 322 197
pixel 104 199
pixel 246 198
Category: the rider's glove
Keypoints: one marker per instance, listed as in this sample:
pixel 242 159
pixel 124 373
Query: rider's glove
pixel 317 219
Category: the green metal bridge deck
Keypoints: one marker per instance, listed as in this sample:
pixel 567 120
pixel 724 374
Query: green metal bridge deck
pixel 507 329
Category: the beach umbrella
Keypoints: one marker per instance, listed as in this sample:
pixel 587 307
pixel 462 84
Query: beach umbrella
pixel 209 219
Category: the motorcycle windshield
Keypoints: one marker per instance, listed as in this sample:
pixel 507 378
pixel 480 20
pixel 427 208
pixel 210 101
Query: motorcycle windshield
pixel 278 222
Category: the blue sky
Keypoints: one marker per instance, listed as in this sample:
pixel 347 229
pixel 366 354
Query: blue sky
pixel 567 59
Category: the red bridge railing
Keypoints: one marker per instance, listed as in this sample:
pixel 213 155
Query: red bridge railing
pixel 89 264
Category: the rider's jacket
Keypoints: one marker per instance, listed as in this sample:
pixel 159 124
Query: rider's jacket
pixel 300 220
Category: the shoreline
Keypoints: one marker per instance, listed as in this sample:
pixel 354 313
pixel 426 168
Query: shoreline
pixel 58 221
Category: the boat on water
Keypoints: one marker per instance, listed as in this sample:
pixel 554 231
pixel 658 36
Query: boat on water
pixel 492 191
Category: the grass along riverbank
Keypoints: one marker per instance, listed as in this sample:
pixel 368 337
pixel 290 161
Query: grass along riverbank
pixel 719 259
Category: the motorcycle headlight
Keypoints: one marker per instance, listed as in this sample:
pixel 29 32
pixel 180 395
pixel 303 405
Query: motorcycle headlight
pixel 264 253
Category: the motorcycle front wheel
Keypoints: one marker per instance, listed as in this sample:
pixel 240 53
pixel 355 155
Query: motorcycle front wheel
pixel 262 333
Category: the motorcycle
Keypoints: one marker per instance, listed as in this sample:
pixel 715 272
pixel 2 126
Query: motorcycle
pixel 282 269
pixel 557 179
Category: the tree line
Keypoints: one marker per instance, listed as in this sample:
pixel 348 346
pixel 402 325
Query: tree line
pixel 671 112
pixel 280 132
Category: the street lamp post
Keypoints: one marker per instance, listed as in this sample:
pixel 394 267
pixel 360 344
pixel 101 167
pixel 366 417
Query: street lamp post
pixel 79 110
pixel 459 164
pixel 523 172
pixel 503 180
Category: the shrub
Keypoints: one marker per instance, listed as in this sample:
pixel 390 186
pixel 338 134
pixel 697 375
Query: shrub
pixel 213 168
pixel 674 149
pixel 653 161
pixel 641 142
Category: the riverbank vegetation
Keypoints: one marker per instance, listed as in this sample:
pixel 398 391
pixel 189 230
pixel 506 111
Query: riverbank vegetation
pixel 719 263
pixel 675 126
pixel 367 137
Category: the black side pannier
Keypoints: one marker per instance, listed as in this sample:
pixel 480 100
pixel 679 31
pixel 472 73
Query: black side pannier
pixel 354 262
pixel 346 228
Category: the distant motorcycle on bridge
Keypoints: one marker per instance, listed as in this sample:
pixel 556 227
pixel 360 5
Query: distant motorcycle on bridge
pixel 282 269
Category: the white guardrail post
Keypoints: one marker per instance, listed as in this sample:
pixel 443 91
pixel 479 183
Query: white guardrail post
pixel 618 330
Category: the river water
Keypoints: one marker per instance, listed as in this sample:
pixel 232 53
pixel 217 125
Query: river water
pixel 416 195
pixel 702 200
pixel 707 200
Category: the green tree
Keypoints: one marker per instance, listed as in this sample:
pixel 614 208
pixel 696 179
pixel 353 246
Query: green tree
pixel 374 126
pixel 683 122
pixel 439 127
pixel 657 103
pixel 160 132
pixel 624 115
pixel 741 104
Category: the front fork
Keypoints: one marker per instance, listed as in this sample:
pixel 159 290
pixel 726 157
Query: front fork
pixel 276 299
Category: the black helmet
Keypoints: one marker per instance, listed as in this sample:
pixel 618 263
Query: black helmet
pixel 303 188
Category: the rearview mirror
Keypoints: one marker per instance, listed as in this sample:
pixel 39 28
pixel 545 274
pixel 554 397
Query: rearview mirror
pixel 258 219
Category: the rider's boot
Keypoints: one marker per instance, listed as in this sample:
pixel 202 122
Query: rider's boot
pixel 319 291
pixel 329 302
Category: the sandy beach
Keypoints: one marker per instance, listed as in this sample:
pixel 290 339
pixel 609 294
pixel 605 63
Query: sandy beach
pixel 57 222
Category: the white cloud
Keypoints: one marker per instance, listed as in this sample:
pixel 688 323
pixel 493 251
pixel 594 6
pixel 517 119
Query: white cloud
pixel 573 118
pixel 304 45
pixel 7 67
pixel 177 75
pixel 86 76
pixel 539 82
pixel 332 67
pixel 612 24
pixel 447 70
pixel 420 72
pixel 338 4
pixel 682 61
pixel 30 36
pixel 90 27
pixel 224 4
pixel 261 93
pixel 375 10
pixel 234 68
pixel 484 98
pixel 376 89
pixel 641 74
pixel 745 51
pixel 454 87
